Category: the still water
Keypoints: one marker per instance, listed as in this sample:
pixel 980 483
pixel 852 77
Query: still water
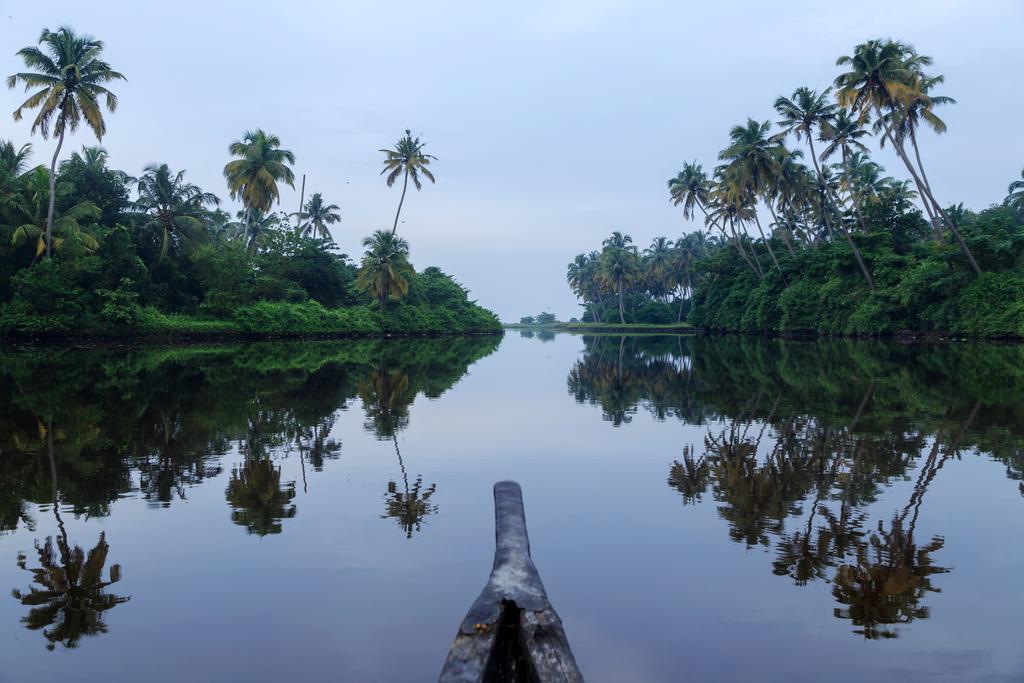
pixel 700 509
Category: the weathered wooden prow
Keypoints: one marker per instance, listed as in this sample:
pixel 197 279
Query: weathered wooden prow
pixel 511 632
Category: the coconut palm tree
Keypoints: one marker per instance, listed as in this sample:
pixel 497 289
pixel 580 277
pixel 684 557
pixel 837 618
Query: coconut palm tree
pixel 659 262
pixel 842 134
pixel 178 209
pixel 253 227
pixel 408 160
pixel 262 164
pixel 32 211
pixel 68 77
pixel 753 163
pixel 802 114
pixel 14 160
pixel 618 268
pixel 385 269
pixel 692 188
pixel 727 210
pixel 884 78
pixel 580 276
pixel 316 216
pixel 1015 196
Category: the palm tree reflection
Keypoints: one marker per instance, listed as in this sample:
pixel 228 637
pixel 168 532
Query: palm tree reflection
pixel 884 585
pixel 258 500
pixel 69 596
pixel 409 506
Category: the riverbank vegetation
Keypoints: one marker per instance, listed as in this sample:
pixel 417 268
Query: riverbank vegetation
pixel 88 249
pixel 833 246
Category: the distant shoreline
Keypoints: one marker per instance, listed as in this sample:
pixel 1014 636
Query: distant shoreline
pixel 686 329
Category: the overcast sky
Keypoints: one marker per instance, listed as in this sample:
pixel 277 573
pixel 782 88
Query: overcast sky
pixel 554 122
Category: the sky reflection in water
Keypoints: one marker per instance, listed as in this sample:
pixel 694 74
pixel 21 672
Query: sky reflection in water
pixel 700 508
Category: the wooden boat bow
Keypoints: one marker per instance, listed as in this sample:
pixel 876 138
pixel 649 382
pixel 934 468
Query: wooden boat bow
pixel 511 633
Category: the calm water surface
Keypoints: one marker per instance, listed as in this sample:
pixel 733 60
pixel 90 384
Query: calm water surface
pixel 701 509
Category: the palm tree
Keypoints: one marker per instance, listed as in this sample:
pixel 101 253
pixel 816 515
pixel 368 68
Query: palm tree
pixel 618 240
pixel 176 208
pixel 1015 196
pixel 658 265
pixel 918 106
pixel 261 165
pixel 317 216
pixel 32 213
pixel 753 164
pixel 801 114
pixel 14 161
pixel 408 160
pixel 691 188
pixel 883 78
pixel 618 268
pixel 727 210
pixel 385 269
pixel 580 276
pixel 843 133
pixel 253 227
pixel 70 77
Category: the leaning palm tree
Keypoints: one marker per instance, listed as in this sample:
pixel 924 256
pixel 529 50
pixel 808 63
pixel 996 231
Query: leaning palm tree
pixel 261 165
pixel 753 164
pixel 803 113
pixel 71 78
pixel 316 216
pixel 385 270
pixel 1015 196
pixel 408 160
pixel 692 188
pixel 883 77
pixel 176 208
pixel 842 134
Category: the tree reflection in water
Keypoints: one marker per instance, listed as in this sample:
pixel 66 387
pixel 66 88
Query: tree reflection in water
pixel 69 597
pixel 258 500
pixel 803 437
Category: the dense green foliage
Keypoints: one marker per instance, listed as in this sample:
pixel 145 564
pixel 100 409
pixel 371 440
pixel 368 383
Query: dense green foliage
pixel 169 262
pixel 846 251
pixel 920 286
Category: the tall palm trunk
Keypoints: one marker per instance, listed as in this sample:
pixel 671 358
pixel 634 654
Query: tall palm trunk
pixel 926 194
pixel 622 316
pixel 787 236
pixel 53 192
pixel 739 247
pixel 846 231
pixel 817 169
pixel 767 243
pixel 756 262
pixel 302 200
pixel 924 176
pixel 405 186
